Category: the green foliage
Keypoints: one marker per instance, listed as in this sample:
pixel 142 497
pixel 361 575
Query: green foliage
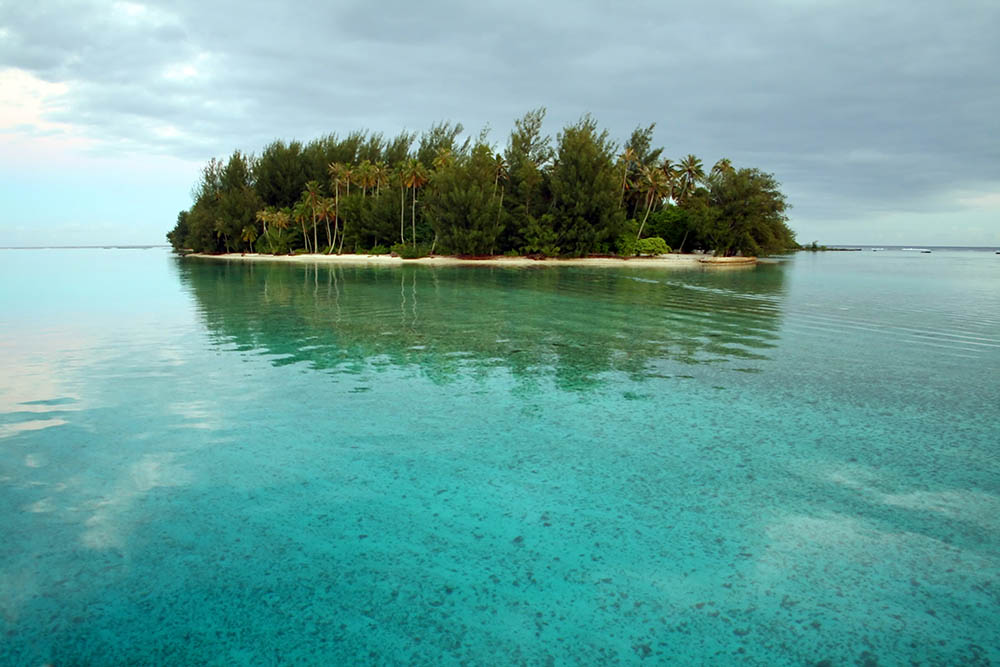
pixel 672 224
pixel 281 173
pixel 441 136
pixel 625 244
pixel 585 189
pixel 748 214
pixel 653 245
pixel 379 250
pixel 276 242
pixel 407 251
pixel 456 195
pixel 540 237
pixel 178 235
pixel 463 204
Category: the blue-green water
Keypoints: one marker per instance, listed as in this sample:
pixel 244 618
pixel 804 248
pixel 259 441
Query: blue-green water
pixel 226 463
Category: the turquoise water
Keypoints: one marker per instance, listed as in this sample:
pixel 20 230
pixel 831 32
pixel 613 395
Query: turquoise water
pixel 226 463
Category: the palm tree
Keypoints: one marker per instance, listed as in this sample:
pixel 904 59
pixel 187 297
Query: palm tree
pixel 655 184
pixel 250 235
pixel 399 176
pixel 722 167
pixel 627 157
pixel 366 177
pixel 381 174
pixel 301 213
pixel 339 174
pixel 500 177
pixel 263 216
pixel 347 174
pixel 326 210
pixel 690 174
pixel 671 174
pixel 443 158
pixel 415 175
pixel 312 198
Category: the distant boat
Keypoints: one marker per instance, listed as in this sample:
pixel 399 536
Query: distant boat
pixel 924 250
pixel 877 249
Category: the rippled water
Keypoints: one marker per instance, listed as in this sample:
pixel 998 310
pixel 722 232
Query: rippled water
pixel 226 463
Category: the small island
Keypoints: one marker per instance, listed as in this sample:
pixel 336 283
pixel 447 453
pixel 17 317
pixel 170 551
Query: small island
pixel 366 197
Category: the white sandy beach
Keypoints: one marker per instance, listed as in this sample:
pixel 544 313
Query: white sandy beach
pixel 661 261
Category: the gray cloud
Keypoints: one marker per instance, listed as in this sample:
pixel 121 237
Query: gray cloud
pixel 858 108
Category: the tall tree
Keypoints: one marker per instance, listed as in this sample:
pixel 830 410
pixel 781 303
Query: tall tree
pixel 312 197
pixel 281 174
pixel 723 166
pixel 747 214
pixel 529 156
pixel 584 182
pixel 654 185
pixel 301 213
pixel 690 174
pixel 415 176
pixel 627 159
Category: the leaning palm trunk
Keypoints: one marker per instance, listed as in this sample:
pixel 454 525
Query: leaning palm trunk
pixel 649 205
pixel 684 240
pixel 402 208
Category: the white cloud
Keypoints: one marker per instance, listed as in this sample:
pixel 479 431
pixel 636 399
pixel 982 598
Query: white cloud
pixel 25 100
pixel 989 201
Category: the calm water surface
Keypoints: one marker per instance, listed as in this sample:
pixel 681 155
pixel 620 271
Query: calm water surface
pixel 225 463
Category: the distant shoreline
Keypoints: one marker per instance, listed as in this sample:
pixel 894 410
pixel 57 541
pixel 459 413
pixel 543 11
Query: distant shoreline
pixel 662 261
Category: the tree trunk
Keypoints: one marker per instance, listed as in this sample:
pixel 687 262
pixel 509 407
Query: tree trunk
pixel 496 228
pixel 336 214
pixel 413 217
pixel 649 205
pixel 684 240
pixel 402 208
pixel 315 235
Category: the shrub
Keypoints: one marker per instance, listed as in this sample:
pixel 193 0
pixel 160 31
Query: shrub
pixel 626 245
pixel 654 245
pixel 409 252
pixel 379 250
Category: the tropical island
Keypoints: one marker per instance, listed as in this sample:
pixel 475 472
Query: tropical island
pixel 409 197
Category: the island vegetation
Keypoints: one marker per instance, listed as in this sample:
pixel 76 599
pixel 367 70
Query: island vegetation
pixel 580 195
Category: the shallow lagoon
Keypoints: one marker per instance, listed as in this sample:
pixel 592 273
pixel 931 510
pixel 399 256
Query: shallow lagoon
pixel 219 462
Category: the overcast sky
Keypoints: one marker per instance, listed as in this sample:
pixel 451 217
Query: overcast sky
pixel 880 119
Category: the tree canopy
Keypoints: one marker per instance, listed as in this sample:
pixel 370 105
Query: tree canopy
pixel 581 194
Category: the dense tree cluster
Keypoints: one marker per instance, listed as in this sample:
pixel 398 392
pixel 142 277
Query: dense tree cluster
pixel 575 196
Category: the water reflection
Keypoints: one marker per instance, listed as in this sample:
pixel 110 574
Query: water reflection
pixel 573 323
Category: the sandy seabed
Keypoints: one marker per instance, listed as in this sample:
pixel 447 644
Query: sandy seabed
pixel 661 261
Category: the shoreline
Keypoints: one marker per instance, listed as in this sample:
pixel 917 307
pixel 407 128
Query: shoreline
pixel 661 261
